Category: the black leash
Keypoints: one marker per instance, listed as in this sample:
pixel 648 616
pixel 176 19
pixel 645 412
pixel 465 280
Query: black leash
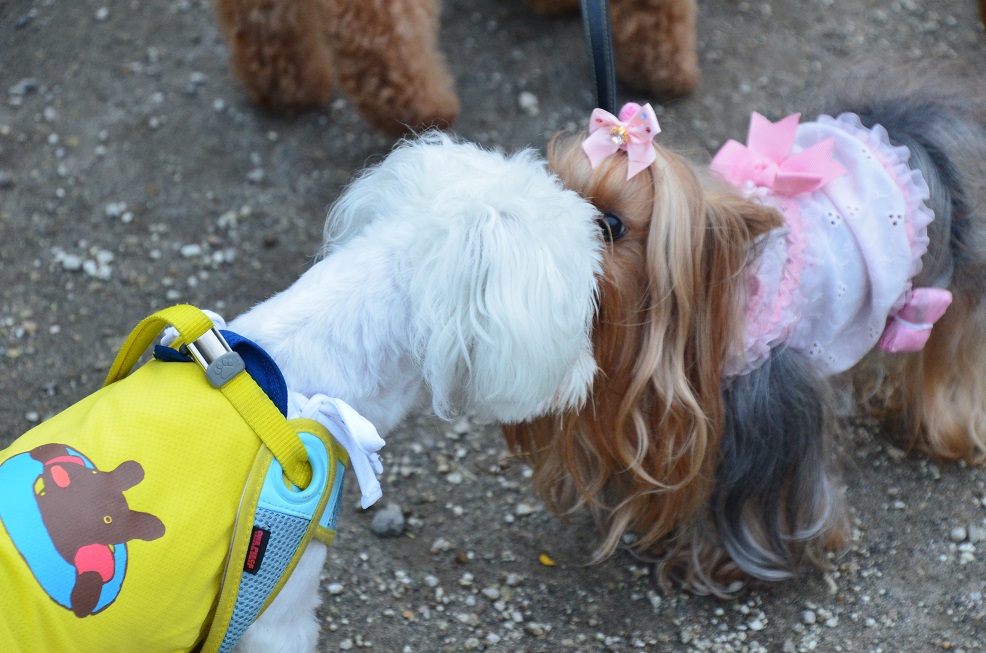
pixel 599 41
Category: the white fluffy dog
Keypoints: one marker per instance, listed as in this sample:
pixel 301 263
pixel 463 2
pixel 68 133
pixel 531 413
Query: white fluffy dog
pixel 450 275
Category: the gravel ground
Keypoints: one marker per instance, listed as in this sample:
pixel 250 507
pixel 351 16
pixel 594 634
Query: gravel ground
pixel 134 174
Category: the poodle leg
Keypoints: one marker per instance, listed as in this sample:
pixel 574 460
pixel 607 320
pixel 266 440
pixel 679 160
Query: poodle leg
pixel 278 52
pixel 945 383
pixel 289 625
pixel 387 59
pixel 654 45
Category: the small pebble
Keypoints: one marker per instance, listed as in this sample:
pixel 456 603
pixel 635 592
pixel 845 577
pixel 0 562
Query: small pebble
pixel 529 103
pixel 191 250
pixel 24 87
pixel 808 617
pixel 115 209
pixel 388 522
pixel 469 619
pixel 958 534
pixel 70 262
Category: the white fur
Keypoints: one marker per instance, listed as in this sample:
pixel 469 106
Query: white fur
pixel 452 276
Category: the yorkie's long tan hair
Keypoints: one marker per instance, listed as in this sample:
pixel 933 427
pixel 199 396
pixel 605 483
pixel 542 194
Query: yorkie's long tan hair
pixel 642 456
pixel 724 478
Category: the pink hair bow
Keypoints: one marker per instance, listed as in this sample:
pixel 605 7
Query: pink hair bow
pixel 766 160
pixel 632 132
pixel 909 328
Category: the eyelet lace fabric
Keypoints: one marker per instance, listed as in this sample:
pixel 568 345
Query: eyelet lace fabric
pixel 826 282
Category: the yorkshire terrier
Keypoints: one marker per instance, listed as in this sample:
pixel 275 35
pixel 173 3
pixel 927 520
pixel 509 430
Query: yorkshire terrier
pixel 732 299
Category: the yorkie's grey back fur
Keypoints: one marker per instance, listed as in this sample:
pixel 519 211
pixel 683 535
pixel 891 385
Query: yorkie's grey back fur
pixel 776 497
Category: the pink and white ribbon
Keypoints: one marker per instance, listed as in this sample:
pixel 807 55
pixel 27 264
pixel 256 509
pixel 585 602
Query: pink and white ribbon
pixel 909 328
pixel 632 132
pixel 767 160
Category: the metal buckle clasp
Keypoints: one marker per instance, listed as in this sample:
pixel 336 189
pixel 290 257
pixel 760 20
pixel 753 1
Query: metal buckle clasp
pixel 217 358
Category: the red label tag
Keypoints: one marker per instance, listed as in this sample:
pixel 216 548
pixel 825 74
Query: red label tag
pixel 256 550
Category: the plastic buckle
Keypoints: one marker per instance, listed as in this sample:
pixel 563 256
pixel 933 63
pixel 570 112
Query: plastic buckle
pixel 280 495
pixel 216 357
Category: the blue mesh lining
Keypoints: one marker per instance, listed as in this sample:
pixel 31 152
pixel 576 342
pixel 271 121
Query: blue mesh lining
pixel 286 534
pixel 330 518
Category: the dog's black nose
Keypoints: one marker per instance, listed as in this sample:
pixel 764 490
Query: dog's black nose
pixel 612 227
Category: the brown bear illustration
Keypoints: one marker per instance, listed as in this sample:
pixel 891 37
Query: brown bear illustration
pixel 86 515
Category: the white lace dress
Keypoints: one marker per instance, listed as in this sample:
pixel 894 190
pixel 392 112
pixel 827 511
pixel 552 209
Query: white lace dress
pixel 843 262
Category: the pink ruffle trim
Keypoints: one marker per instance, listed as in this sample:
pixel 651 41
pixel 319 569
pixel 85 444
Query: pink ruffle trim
pixel 768 319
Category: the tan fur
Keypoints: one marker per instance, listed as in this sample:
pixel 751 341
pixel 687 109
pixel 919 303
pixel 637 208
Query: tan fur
pixel 660 340
pixel 653 42
pixel 944 386
pixel 382 54
pixel 647 456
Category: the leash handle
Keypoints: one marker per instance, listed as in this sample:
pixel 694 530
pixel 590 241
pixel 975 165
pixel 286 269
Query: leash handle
pixel 255 407
pixel 599 42
pixel 190 322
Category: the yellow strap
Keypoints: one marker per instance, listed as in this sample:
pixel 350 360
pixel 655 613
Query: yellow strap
pixel 305 425
pixel 230 584
pixel 269 424
pixel 190 322
pixel 253 404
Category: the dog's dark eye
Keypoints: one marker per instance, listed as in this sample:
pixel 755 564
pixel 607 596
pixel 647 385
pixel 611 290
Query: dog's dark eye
pixel 612 227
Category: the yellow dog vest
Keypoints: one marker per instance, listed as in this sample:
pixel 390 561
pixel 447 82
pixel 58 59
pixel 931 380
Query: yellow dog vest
pixel 156 514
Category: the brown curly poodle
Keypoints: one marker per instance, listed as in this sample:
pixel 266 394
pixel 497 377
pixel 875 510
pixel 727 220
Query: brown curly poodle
pixel 383 54
pixel 653 42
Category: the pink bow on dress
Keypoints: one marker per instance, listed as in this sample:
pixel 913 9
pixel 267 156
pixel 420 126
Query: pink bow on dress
pixel 909 328
pixel 766 159
pixel 632 132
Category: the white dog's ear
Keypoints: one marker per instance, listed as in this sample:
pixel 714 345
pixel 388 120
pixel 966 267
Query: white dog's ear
pixel 503 300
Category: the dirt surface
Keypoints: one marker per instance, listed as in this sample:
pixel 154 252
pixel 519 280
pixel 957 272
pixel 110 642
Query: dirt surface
pixel 134 174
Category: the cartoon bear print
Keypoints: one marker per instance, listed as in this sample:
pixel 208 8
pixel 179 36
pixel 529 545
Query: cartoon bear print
pixel 86 515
